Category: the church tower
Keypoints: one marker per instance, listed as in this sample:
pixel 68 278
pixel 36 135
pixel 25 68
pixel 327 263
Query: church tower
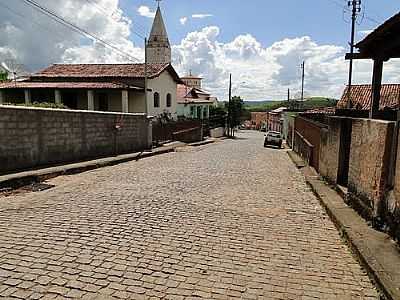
pixel 158 46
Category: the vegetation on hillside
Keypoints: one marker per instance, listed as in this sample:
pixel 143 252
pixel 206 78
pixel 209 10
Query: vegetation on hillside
pixel 310 103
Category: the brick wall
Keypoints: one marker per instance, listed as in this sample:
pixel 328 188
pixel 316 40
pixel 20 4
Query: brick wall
pixel 329 150
pixel 311 131
pixel 32 137
pixel 370 154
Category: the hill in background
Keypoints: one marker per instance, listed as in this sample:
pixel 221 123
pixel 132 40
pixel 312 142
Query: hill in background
pixel 310 103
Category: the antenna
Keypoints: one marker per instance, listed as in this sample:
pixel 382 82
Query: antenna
pixel 14 68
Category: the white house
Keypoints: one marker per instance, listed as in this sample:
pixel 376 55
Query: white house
pixel 193 101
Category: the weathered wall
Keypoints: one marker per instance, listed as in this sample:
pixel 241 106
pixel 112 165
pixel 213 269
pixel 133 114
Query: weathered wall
pixel 217 132
pixel 188 135
pixel 31 137
pixel 371 143
pixel 329 150
pixel 311 131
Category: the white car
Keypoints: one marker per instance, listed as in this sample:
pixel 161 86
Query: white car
pixel 273 138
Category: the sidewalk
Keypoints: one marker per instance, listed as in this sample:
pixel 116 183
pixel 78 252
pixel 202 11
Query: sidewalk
pixel 17 180
pixel 376 251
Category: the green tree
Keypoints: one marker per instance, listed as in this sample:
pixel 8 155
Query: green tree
pixel 235 112
pixel 3 76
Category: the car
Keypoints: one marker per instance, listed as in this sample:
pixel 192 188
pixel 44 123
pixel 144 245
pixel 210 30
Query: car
pixel 273 138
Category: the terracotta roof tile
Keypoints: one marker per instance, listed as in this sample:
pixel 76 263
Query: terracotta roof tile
pixel 66 85
pixel 100 70
pixel 184 95
pixel 361 97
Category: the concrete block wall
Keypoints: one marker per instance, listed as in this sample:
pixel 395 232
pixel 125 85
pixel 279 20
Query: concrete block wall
pixel 329 150
pixel 370 158
pixel 33 137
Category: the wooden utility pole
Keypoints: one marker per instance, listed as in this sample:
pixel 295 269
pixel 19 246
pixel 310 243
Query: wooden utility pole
pixel 145 76
pixel 356 8
pixel 230 106
pixel 302 80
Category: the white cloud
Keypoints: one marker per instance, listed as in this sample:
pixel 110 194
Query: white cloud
pixel 183 20
pixel 38 41
pixel 201 16
pixel 259 72
pixel 145 11
pixel 267 72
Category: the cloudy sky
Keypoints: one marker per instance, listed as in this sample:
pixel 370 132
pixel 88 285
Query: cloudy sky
pixel 262 43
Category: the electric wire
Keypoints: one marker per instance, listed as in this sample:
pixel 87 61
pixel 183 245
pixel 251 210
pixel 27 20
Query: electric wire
pixel 77 29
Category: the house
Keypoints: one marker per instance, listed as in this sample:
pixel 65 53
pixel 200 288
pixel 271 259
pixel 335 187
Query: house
pixel 361 97
pixel 106 87
pixel 275 119
pixel 193 101
pixel 258 119
pixel 99 87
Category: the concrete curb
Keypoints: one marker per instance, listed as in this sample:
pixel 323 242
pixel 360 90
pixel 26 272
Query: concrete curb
pixel 377 253
pixel 17 180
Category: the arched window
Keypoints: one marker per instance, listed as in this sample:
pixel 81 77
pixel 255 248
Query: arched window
pixel 156 99
pixel 169 100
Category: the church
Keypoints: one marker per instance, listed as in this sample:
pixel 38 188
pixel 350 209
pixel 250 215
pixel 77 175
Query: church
pixel 106 87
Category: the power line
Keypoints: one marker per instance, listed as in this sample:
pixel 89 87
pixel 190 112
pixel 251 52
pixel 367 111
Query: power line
pixel 341 5
pixel 25 18
pixel 104 11
pixel 76 28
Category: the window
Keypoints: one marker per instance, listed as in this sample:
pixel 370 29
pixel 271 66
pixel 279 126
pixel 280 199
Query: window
pixel 156 100
pixel 192 112
pixel 169 100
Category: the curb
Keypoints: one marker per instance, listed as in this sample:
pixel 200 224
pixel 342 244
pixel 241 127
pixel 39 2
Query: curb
pixel 375 251
pixel 17 180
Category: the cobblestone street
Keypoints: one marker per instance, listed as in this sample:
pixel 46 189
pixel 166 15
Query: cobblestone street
pixel 230 220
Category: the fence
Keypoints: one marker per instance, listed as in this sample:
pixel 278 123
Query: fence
pixel 303 148
pixel 166 131
pixel 309 135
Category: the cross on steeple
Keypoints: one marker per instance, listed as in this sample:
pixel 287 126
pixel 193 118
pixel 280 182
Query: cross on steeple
pixel 158 2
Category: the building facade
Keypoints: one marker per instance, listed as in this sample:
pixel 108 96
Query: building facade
pixel 99 87
pixel 192 101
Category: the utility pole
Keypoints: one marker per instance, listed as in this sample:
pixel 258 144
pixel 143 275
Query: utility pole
pixel 145 76
pixel 356 9
pixel 230 106
pixel 288 98
pixel 303 66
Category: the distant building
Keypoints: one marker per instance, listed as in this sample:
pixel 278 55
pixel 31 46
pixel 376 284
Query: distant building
pixel 193 101
pixel 158 46
pixel 275 119
pixel 259 119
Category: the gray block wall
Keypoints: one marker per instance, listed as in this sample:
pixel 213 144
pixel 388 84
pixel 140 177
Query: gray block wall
pixel 34 137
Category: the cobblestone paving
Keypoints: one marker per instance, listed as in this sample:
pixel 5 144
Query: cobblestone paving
pixel 224 221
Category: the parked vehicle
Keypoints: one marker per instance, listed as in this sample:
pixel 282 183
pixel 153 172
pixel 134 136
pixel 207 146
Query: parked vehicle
pixel 273 138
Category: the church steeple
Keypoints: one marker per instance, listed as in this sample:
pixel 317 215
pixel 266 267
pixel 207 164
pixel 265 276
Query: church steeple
pixel 158 46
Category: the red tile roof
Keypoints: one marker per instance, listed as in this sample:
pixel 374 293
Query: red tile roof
pixel 65 85
pixel 184 95
pixel 322 110
pixel 361 96
pixel 105 71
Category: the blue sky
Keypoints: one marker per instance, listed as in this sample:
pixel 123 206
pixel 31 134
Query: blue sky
pixel 261 42
pixel 267 21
